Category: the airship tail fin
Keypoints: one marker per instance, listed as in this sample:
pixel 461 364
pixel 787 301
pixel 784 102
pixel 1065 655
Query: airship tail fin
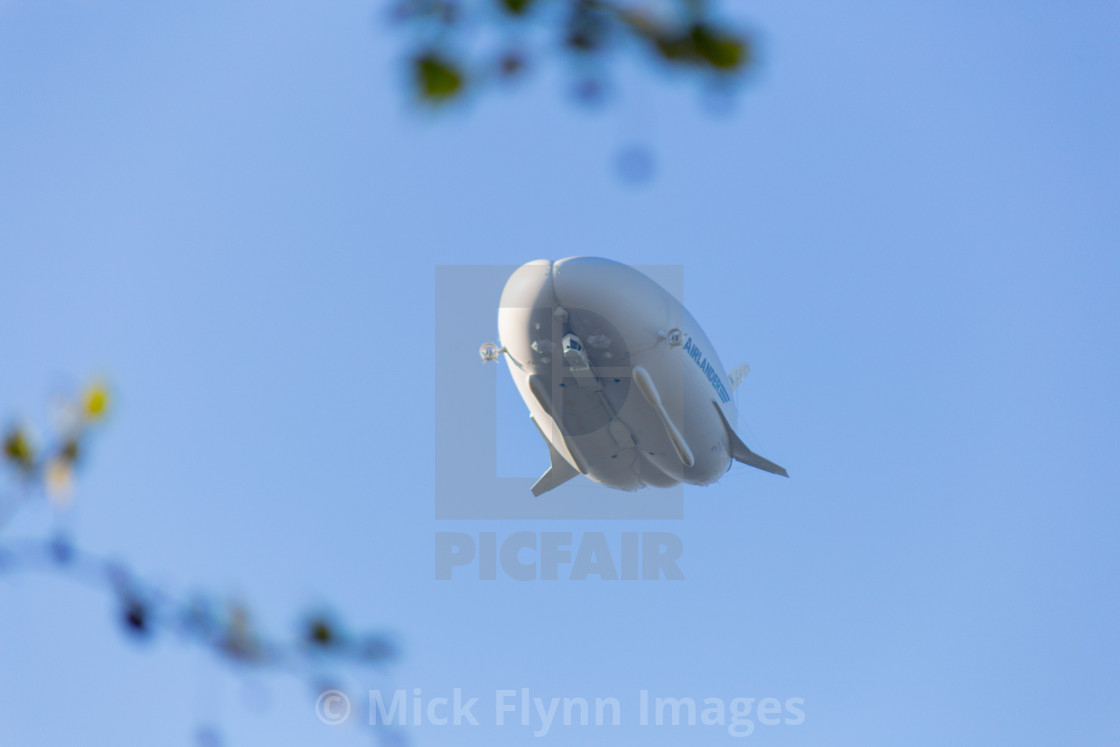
pixel 740 452
pixel 736 375
pixel 558 473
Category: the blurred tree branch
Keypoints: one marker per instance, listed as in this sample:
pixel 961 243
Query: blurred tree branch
pixel 225 630
pixel 448 59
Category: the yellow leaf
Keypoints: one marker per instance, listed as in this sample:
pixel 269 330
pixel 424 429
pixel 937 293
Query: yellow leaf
pixel 95 401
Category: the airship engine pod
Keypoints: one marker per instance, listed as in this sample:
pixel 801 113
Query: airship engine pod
pixel 621 381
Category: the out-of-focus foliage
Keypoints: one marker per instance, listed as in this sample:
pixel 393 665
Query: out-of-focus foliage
pixel 437 78
pixel 52 466
pixel 456 46
pixel 316 649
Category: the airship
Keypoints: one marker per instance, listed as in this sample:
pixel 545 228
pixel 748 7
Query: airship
pixel 618 376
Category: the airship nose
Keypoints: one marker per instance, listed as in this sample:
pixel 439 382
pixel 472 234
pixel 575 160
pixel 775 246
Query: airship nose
pixel 617 292
pixel 529 286
pixel 525 321
pixel 584 261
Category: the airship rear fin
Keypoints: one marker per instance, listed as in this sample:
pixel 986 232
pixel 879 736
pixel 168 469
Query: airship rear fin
pixel 740 452
pixel 558 473
pixel 736 375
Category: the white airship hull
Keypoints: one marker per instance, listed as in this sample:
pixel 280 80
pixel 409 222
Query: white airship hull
pixel 620 379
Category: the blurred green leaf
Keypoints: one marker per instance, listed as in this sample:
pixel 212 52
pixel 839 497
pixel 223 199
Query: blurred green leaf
pixel 719 49
pixel 438 79
pixel 18 450
pixel 516 7
pixel 321 632
pixel 703 45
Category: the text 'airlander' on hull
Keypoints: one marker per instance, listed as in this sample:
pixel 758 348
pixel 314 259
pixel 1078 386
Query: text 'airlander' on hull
pixel 621 381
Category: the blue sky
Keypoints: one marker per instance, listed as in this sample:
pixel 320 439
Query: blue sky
pixel 907 225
